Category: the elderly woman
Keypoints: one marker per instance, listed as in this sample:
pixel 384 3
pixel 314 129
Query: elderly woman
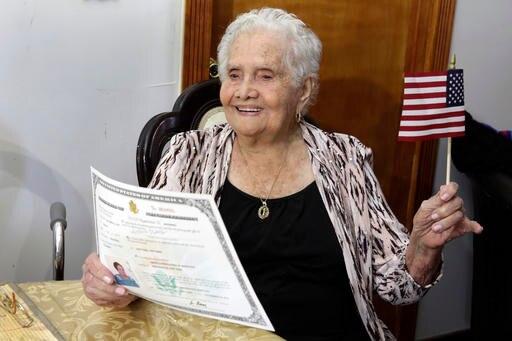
pixel 303 207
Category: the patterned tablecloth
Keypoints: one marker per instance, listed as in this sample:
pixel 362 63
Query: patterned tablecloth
pixel 75 317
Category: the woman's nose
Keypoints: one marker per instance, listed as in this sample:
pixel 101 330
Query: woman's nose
pixel 246 90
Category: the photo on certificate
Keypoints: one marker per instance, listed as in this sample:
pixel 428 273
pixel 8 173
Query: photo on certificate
pixel 172 248
pixel 123 274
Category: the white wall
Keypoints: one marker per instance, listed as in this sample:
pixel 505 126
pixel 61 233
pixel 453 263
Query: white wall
pixel 482 43
pixel 78 80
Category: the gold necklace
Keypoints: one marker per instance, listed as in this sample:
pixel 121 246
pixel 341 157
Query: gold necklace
pixel 264 211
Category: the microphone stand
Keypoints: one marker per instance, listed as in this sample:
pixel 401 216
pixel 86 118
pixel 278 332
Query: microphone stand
pixel 58 225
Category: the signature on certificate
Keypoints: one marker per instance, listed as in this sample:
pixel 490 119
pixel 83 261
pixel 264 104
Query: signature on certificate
pixel 197 303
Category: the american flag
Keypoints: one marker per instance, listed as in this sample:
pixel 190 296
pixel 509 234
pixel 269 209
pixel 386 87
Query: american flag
pixel 433 106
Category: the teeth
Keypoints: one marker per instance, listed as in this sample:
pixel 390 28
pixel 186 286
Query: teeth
pixel 248 109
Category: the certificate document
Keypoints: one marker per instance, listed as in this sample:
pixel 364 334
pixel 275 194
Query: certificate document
pixel 173 248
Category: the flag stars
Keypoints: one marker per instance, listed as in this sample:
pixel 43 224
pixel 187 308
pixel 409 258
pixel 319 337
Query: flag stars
pixel 455 88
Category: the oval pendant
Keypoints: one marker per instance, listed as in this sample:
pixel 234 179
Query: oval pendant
pixel 263 211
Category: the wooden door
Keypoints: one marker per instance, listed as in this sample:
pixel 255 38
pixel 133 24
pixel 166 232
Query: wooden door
pixel 367 47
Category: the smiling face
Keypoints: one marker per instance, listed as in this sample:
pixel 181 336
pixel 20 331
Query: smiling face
pixel 258 95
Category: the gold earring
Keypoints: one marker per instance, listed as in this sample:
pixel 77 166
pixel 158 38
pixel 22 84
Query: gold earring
pixel 298 116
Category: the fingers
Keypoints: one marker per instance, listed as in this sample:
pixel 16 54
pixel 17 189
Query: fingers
pixel 106 298
pixel 436 208
pixel 451 212
pixel 98 284
pixel 447 192
pixel 448 214
pixel 441 219
pixel 448 222
pixel 94 266
pixel 449 208
pixel 472 226
pixel 453 215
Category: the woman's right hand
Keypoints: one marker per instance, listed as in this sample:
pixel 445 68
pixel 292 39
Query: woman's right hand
pixel 100 287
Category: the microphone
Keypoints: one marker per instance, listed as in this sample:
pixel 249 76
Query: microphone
pixel 58 225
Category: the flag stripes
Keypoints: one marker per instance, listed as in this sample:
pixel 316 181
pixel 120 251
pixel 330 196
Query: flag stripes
pixel 433 106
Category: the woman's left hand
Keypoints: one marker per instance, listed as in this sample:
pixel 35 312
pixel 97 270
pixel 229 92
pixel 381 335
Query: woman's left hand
pixel 439 220
pixel 442 218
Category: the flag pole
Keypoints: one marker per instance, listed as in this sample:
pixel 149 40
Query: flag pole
pixel 448 159
pixel 449 145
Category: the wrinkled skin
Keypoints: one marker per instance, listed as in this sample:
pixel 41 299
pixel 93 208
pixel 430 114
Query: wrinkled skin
pixel 439 220
pixel 100 287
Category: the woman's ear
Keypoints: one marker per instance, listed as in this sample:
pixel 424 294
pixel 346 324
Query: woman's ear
pixel 305 91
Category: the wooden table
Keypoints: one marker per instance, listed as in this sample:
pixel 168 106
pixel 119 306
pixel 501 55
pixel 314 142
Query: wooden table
pixel 64 308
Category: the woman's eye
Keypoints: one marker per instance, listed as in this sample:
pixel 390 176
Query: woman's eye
pixel 234 74
pixel 266 77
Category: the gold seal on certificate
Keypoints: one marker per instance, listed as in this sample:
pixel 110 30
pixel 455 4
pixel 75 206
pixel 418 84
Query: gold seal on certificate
pixel 172 248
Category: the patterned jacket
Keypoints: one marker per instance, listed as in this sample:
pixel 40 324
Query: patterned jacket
pixel 372 239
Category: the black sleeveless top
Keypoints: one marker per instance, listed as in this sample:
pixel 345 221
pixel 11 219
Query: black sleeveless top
pixel 294 263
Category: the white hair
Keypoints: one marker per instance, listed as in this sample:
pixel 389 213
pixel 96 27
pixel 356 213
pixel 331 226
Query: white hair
pixel 302 51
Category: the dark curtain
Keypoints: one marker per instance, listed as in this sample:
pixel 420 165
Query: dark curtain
pixel 486 157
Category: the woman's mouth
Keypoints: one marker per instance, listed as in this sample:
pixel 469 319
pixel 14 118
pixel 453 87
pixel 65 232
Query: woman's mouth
pixel 248 109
